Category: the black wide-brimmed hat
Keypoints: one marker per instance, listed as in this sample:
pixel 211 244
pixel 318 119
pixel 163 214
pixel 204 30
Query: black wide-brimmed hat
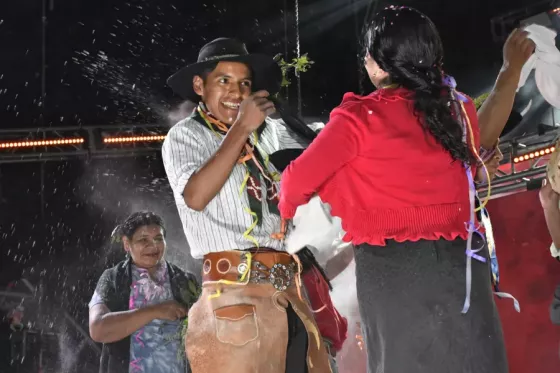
pixel 266 72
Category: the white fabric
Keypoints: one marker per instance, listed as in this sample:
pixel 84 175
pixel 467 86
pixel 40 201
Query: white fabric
pixel 316 126
pixel 344 294
pixel 314 226
pixel 546 62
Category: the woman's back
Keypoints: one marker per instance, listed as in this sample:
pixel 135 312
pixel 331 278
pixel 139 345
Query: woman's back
pixel 399 182
pixel 392 167
pixel 403 161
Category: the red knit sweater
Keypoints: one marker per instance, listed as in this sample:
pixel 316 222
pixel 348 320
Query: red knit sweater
pixel 382 173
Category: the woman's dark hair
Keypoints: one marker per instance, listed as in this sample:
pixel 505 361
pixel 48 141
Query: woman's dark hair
pixel 135 221
pixel 406 44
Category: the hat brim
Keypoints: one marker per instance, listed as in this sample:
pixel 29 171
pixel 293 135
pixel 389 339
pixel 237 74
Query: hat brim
pixel 267 75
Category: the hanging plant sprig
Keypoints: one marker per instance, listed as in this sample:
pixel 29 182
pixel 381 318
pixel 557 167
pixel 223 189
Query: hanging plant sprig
pixel 479 101
pixel 298 65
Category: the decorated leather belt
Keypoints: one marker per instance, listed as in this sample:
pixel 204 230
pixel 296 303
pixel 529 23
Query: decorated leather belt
pixel 273 267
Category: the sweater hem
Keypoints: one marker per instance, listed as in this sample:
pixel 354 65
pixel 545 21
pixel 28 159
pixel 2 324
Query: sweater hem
pixel 411 223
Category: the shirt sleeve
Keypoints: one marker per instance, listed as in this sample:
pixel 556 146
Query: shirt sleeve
pixel 183 153
pixel 281 137
pixel 95 300
pixel 288 139
pixel 337 144
pixel 102 292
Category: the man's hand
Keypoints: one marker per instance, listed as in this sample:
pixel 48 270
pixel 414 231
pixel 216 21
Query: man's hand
pixel 210 178
pixel 170 310
pixel 549 198
pixel 253 111
pixel 517 49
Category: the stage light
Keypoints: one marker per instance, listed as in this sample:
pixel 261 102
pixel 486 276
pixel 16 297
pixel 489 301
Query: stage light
pixel 129 139
pixel 34 143
pixel 536 153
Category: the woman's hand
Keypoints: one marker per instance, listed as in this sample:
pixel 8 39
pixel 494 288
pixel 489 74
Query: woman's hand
pixel 170 310
pixel 108 327
pixel 492 166
pixel 517 49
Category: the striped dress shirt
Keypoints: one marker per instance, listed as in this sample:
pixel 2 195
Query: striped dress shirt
pixel 221 225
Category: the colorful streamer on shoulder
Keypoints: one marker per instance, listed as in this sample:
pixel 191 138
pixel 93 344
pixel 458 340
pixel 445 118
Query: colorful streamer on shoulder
pixel 471 225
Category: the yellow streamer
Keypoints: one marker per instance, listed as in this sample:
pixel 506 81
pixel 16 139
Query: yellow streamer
pixel 249 263
pixel 216 294
pixel 244 183
pixel 247 233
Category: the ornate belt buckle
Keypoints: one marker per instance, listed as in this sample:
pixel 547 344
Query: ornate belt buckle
pixel 243 268
pixel 281 276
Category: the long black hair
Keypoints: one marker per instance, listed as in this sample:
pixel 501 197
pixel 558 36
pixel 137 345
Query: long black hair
pixel 406 44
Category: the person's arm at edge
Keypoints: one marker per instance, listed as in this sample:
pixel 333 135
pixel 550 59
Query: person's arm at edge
pixel 550 205
pixel 555 307
pixel 552 218
pixel 494 113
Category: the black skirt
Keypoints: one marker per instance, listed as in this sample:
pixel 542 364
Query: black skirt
pixel 411 296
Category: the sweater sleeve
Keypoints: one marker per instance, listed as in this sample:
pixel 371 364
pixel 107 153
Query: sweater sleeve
pixel 104 290
pixel 337 144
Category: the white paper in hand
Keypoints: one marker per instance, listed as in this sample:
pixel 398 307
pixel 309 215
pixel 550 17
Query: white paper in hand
pixel 314 226
pixel 546 62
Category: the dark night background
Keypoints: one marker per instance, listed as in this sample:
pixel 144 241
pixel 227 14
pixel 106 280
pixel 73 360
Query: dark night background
pixel 106 62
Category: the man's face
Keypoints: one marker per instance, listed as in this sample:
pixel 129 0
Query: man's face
pixel 223 89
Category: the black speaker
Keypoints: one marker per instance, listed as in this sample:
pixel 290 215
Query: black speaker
pixel 535 184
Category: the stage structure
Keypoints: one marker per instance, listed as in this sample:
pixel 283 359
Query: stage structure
pixel 35 328
pixel 523 166
pixel 544 13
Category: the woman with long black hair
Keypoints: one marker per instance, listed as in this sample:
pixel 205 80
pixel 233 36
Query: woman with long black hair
pixel 398 168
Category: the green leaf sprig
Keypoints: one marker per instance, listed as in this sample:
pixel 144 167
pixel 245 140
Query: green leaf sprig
pixel 298 65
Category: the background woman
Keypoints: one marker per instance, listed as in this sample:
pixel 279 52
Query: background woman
pixel 138 307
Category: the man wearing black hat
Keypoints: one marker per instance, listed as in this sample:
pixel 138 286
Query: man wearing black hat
pixel 226 191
